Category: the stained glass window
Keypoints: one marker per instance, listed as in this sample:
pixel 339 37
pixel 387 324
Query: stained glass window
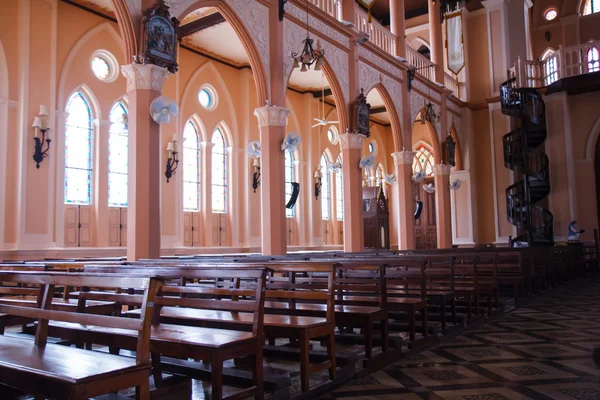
pixel 117 156
pixel 550 14
pixel 325 190
pixel 205 98
pixel 78 151
pixel 591 7
pixel 593 59
pixel 191 168
pixel 550 67
pixel 332 135
pixel 289 178
pixel 339 192
pixel 219 172
pixel 100 68
pixel 423 161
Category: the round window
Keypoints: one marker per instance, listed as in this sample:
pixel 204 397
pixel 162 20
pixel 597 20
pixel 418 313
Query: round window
pixel 550 14
pixel 207 97
pixel 371 148
pixel 104 66
pixel 332 136
pixel 100 68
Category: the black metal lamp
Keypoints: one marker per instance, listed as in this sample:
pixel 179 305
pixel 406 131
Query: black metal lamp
pixel 173 160
pixel 318 184
pixel 256 175
pixel 451 151
pixel 309 56
pixel 39 125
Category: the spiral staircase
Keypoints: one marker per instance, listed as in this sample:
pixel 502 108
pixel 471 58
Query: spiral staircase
pixel 522 155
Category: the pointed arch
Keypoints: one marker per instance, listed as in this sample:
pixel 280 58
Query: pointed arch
pixel 199 125
pixel 128 18
pixel 546 53
pixel 191 166
pixel 394 117
pixel 435 141
pixel 259 70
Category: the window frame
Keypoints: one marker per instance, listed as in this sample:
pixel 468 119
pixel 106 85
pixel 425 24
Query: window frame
pixel 594 64
pixel 197 156
pixel 430 160
pixel 325 188
pixel 223 159
pixel 124 132
pixel 339 192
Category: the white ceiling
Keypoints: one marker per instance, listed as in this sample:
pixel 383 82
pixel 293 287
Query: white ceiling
pixel 220 41
pixel 375 100
pixel 310 80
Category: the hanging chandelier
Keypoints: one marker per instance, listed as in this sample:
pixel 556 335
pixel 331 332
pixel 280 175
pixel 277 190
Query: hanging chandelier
pixel 309 55
pixel 429 114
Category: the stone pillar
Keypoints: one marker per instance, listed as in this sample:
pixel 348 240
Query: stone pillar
pixel 272 121
pixel 144 84
pixel 354 236
pixel 404 219
pixel 398 26
pixel 435 39
pixel 347 9
pixel 443 207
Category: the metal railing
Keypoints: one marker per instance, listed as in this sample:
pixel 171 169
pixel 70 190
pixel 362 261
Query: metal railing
pixel 330 7
pixel 423 65
pixel 380 36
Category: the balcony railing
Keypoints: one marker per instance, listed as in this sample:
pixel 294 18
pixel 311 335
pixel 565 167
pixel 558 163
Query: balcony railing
pixel 566 62
pixel 451 84
pixel 328 6
pixel 423 65
pixel 380 36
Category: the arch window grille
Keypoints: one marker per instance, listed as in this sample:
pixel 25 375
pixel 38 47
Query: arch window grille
pixel 117 156
pixel 550 67
pixel 325 189
pixel 424 161
pixel 191 168
pixel 219 173
pixel 78 151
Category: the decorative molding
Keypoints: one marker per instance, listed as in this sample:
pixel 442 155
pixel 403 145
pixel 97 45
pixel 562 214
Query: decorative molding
pixel 379 62
pixel 148 76
pixel 369 77
pixel 432 93
pixel 317 25
pixel 11 103
pixel 442 169
pixel 404 157
pixel 272 116
pixel 417 102
pixel 294 34
pixel 351 140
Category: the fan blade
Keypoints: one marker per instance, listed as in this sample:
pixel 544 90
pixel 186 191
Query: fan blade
pixel 317 119
pixel 173 109
pixel 314 126
pixel 334 122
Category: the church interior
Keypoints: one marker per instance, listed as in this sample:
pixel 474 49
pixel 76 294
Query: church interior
pixel 294 199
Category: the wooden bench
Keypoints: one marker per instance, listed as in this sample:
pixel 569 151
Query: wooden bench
pixel 55 371
pixel 169 337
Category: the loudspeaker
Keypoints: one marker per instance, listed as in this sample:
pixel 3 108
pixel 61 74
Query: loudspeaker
pixel 294 196
pixel 419 209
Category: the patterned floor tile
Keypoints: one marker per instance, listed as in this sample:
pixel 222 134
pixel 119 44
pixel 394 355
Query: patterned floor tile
pixel 442 376
pixel 500 393
pixel 546 316
pixel 461 341
pixel 584 365
pixel 578 324
pixel 566 335
pixel 508 337
pixel 485 353
pixel 526 371
pixel 425 357
pixel 570 391
pixel 550 350
pixel 527 326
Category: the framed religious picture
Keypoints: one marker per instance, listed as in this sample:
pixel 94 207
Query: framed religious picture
pixel 362 114
pixel 159 37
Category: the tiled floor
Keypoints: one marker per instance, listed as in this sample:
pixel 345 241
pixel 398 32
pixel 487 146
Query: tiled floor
pixel 540 352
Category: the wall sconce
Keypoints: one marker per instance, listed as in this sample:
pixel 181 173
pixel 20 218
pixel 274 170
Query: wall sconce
pixel 172 161
pixel 318 184
pixel 39 125
pixel 256 175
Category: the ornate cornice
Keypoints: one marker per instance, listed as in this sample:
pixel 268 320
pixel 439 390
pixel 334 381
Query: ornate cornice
pixel 272 116
pixel 144 76
pixel 351 140
pixel 405 157
pixel 442 169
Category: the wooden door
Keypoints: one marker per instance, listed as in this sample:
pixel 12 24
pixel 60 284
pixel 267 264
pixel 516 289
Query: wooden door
pixel 71 226
pixel 425 226
pixel 220 230
pixel 123 226
pixel 114 226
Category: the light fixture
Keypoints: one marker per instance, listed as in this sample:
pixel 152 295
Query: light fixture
pixel 367 4
pixel 309 56
pixel 39 125
pixel 173 160
pixel 256 175
pixel 318 184
pixel 450 151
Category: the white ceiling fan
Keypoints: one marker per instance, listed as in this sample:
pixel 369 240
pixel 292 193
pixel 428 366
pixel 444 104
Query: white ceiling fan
pixel 323 121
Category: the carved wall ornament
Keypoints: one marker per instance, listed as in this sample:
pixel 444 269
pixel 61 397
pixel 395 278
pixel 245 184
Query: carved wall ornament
pixel 271 116
pixel 442 169
pixel 404 157
pixel 144 76
pixel 351 140
pixel 317 25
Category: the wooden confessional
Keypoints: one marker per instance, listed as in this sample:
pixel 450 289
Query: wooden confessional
pixel 376 218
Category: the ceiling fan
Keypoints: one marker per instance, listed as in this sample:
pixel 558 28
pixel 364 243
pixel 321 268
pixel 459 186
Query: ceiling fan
pixel 323 121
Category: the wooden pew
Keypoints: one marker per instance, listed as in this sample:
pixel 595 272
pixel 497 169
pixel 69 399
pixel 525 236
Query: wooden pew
pixel 55 371
pixel 172 335
pixel 294 326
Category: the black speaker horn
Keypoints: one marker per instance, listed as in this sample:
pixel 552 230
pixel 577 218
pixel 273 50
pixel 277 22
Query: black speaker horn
pixel 418 209
pixel 294 196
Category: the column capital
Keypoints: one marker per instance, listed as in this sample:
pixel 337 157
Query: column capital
pixel 144 76
pixel 403 157
pixel 271 116
pixel 442 169
pixel 351 140
pixel 493 4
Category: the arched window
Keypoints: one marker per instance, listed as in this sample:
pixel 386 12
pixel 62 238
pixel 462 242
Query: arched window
pixel 593 59
pixel 117 156
pixel 424 51
pixel 289 178
pixel 191 168
pixel 219 172
pixel 339 193
pixel 591 7
pixel 550 67
pixel 424 161
pixel 325 190
pixel 78 151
